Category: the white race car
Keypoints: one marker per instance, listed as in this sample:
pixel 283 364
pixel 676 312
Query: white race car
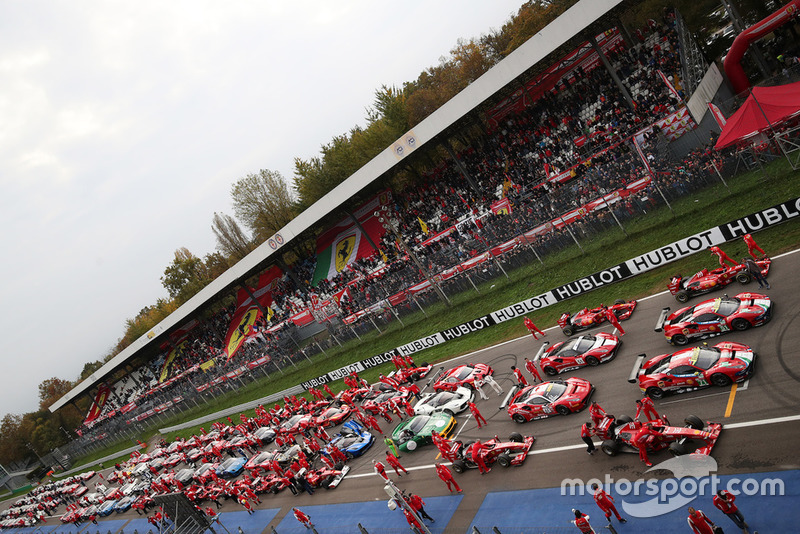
pixel 440 401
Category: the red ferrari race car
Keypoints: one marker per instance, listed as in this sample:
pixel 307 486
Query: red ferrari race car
pixel 694 368
pixel 411 374
pixel 714 317
pixel 333 415
pixel 705 281
pixel 394 397
pixel 678 439
pixel 463 375
pixel 578 352
pixel 504 453
pixel 587 318
pixel 559 397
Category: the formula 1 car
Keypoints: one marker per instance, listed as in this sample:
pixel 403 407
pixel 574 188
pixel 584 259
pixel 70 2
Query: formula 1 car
pixel 410 374
pixel 675 438
pixel 715 317
pixel 705 281
pixel 445 401
pixel 416 431
pixel 354 439
pixel 504 453
pixel 326 477
pixel 694 368
pixel 580 351
pixel 587 318
pixel 463 375
pixel 559 397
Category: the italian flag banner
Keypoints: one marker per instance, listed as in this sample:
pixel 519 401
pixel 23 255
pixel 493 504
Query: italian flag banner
pixel 247 311
pixel 345 243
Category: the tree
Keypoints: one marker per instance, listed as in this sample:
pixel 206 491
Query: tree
pixel 88 369
pixel 12 441
pixel 231 239
pixel 52 389
pixel 263 202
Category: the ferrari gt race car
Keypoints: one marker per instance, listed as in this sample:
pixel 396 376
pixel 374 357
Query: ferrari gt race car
pixel 694 368
pixel 463 375
pixel 578 352
pixel 559 397
pixel 714 317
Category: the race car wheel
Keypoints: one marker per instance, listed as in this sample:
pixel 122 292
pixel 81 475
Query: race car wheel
pixel 682 296
pixel 518 418
pixel 680 339
pixel 504 460
pixel 655 393
pixel 740 324
pixel 591 360
pixel 459 466
pixel 610 447
pixel 718 379
pixel 326 483
pixel 349 455
pixel 743 278
pixel 449 412
pixel 568 331
pixel 516 437
pixel 414 377
pixel 550 371
pixel 619 301
pixel 624 419
pixel 677 449
pixel 694 422
pixel 562 410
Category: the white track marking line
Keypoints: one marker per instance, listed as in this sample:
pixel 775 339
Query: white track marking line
pixel 695 398
pixel 744 385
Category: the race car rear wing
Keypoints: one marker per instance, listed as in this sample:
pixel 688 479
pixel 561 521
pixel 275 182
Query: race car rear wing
pixel 543 348
pixel 637 368
pixel 511 392
pixel 662 319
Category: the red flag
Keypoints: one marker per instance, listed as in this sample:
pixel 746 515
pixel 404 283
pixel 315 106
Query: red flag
pixel 718 116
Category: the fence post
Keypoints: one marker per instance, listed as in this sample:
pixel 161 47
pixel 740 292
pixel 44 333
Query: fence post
pixel 362 529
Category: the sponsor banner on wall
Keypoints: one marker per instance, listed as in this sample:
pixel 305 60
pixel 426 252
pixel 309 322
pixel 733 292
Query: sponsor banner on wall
pixel 651 260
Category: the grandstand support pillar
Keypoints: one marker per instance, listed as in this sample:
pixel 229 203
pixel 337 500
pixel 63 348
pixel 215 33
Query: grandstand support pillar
pixel 626 33
pixel 611 72
pixel 363 232
pixel 254 299
pixel 462 169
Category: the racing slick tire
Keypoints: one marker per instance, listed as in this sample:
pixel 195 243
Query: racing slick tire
pixel 519 418
pixel 593 361
pixel 743 278
pixel 339 465
pixel 682 297
pixel 562 410
pixel 550 371
pixel 459 466
pixel 610 447
pixel 655 393
pixel 678 449
pixel 624 420
pixel 414 377
pixel 720 380
pixel 694 422
pixel 326 483
pixel 619 301
pixel 568 331
pixel 740 324
pixel 680 339
pixel 504 460
pixel 516 437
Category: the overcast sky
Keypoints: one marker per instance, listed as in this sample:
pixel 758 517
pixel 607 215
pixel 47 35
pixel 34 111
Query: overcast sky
pixel 123 125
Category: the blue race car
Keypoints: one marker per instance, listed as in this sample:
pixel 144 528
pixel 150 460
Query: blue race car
pixel 354 439
pixel 106 508
pixel 124 504
pixel 232 467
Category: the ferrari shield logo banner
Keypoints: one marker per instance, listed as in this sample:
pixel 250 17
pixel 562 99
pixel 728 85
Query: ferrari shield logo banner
pixel 346 247
pixel 347 241
pixel 99 402
pixel 244 327
pixel 167 366
pixel 248 312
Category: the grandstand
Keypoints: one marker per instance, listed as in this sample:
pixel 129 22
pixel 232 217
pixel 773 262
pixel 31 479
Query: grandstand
pixel 552 162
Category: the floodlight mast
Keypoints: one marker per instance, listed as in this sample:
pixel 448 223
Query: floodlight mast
pixel 396 495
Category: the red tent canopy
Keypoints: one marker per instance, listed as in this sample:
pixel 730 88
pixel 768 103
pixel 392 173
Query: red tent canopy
pixel 773 104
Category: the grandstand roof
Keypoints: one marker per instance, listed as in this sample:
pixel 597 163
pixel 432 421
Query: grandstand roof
pixel 575 21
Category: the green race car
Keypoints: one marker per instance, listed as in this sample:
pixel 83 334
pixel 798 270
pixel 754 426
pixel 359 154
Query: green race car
pixel 416 431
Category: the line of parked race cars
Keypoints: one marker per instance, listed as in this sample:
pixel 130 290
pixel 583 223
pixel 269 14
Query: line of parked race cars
pixel 213 461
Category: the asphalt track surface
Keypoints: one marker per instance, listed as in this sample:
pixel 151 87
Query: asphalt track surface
pixel 762 428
